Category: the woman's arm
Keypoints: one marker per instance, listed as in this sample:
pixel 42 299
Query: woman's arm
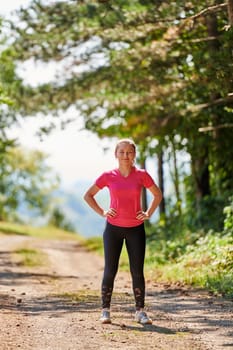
pixel 157 197
pixel 89 197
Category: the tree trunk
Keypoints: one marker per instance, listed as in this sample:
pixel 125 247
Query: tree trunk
pixel 215 46
pixel 230 11
pixel 176 180
pixel 162 208
pixel 144 196
pixel 200 171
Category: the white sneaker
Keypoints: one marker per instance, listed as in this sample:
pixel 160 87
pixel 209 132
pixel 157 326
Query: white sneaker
pixel 141 317
pixel 105 317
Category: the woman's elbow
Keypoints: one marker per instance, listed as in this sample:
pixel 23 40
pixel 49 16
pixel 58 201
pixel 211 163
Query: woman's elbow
pixel 86 196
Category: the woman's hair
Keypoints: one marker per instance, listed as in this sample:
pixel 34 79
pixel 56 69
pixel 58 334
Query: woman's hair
pixel 129 141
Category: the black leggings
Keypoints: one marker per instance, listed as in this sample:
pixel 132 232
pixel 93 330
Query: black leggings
pixel 135 241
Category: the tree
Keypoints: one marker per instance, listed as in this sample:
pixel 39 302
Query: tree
pixel 10 87
pixel 25 179
pixel 58 219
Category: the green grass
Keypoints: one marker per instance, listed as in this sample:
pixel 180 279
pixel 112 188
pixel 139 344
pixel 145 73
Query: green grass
pixel 81 296
pixel 93 296
pixel 29 257
pixel 94 244
pixel 39 232
pixel 208 264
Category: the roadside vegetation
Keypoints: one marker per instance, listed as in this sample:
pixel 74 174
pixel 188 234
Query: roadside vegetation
pixel 29 257
pixel 39 232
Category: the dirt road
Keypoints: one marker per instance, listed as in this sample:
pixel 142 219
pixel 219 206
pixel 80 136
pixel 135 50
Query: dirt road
pixel 57 306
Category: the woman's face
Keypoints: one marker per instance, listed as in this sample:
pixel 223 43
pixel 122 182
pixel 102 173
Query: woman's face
pixel 125 153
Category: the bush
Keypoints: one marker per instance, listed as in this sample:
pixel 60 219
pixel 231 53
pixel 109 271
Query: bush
pixel 200 258
pixel 228 221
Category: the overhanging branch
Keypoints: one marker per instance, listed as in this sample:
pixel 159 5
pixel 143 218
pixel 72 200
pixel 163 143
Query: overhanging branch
pixel 215 127
pixel 208 10
pixel 219 101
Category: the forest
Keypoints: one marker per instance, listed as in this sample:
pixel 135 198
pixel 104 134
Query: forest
pixel 160 72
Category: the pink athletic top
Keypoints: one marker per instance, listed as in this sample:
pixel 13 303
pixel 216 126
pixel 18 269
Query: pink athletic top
pixel 125 194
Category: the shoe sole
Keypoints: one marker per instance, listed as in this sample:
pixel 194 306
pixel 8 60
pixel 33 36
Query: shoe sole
pixel 144 323
pixel 106 321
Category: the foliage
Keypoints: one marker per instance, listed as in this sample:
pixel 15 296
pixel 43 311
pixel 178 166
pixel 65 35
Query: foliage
pixel 228 221
pixel 58 219
pixel 10 90
pixel 94 244
pixel 196 258
pixel 169 239
pixel 7 107
pixel 208 263
pixel 208 215
pixel 25 179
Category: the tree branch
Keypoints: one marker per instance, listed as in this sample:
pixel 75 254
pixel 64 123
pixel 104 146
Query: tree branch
pixel 208 10
pixel 200 40
pixel 216 127
pixel 219 101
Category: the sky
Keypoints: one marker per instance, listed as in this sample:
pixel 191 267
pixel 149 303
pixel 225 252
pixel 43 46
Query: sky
pixel 73 154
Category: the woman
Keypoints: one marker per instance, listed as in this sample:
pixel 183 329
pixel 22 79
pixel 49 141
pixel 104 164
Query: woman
pixel 124 222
